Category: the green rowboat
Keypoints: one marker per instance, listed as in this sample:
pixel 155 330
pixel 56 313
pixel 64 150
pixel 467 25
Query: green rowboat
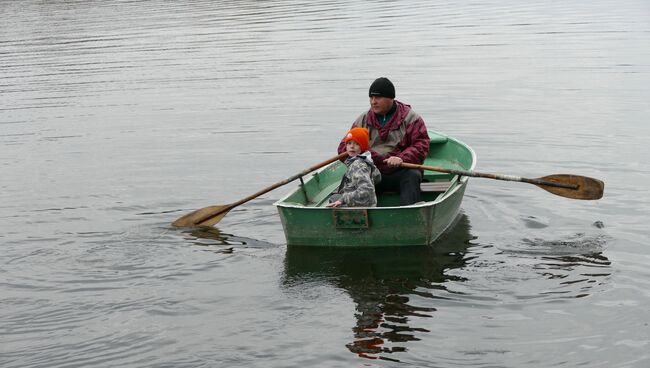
pixel 307 222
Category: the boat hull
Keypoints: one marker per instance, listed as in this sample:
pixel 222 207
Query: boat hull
pixel 307 222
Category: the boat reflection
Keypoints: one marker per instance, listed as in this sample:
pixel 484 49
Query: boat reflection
pixel 392 287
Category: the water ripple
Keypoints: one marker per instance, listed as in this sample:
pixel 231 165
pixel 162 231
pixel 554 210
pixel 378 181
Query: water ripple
pixel 118 116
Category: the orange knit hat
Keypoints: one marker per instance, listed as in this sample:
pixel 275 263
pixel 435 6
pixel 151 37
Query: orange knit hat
pixel 359 135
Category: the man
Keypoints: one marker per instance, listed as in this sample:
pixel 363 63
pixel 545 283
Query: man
pixel 397 134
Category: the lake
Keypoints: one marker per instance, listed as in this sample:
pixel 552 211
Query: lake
pixel 117 117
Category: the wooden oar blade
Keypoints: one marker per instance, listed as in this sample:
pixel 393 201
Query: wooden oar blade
pixel 585 187
pixel 213 214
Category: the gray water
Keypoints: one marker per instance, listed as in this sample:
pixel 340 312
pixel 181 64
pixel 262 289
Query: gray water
pixel 117 117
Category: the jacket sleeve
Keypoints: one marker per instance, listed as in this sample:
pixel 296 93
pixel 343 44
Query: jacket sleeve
pixel 341 148
pixel 418 149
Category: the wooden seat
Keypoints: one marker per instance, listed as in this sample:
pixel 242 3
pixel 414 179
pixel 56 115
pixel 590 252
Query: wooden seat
pixel 435 186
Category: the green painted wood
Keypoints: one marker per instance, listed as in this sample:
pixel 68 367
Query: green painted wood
pixel 307 222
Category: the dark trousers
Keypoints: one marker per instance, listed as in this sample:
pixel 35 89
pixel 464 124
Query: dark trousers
pixel 405 181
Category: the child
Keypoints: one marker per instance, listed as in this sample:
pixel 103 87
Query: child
pixel 357 188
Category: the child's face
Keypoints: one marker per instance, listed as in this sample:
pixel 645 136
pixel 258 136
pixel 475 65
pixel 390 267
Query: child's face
pixel 352 148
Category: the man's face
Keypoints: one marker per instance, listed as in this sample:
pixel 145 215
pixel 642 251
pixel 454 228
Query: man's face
pixel 380 105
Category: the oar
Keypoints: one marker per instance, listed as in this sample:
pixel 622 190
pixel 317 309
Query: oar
pixel 564 185
pixel 209 216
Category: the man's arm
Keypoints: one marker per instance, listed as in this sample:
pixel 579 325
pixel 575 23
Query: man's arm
pixel 419 138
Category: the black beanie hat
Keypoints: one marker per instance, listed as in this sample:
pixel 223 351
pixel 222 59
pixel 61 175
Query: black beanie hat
pixel 382 87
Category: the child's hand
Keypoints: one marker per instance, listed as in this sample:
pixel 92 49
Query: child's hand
pixel 335 204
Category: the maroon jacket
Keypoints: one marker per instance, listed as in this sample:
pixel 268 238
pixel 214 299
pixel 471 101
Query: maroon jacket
pixel 404 136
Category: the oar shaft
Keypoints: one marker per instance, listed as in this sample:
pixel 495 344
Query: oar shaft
pixel 289 179
pixel 490 176
pixel 274 186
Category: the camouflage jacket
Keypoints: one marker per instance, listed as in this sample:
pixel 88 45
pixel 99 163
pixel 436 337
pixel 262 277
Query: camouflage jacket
pixel 357 188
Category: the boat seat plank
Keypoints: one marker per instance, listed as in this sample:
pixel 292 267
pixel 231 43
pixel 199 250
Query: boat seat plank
pixel 436 186
pixel 437 138
pixel 321 199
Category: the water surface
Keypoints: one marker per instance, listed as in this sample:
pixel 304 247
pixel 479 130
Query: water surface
pixel 118 117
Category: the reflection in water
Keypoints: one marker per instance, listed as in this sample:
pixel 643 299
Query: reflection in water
pixel 385 284
pixel 215 240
